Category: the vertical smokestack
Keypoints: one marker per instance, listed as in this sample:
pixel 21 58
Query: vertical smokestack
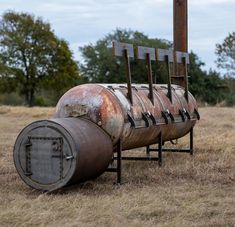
pixel 180 38
pixel 181 25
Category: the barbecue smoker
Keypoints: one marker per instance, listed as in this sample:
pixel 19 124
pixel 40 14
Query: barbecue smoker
pixel 94 123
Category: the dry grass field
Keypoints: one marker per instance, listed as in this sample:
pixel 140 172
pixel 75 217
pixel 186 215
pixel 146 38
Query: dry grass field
pixel 186 191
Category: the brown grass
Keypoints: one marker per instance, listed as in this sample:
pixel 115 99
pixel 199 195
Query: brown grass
pixel 186 191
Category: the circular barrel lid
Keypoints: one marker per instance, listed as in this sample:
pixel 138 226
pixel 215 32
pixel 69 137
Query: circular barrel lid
pixel 45 155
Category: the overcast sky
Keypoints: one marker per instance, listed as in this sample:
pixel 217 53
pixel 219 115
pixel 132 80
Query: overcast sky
pixel 84 21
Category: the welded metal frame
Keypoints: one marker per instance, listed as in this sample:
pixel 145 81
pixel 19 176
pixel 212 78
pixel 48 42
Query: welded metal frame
pixel 119 158
pixel 118 168
pixel 176 150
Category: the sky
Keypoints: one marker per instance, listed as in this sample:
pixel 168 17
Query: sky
pixel 82 22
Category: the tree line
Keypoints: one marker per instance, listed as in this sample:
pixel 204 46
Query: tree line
pixel 37 67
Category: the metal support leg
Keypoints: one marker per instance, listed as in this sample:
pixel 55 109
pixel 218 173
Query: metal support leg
pixel 148 151
pixel 119 162
pixel 118 168
pixel 191 141
pixel 160 149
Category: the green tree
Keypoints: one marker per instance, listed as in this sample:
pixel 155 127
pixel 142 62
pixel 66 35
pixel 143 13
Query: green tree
pixel 31 54
pixel 226 54
pixel 230 96
pixel 63 73
pixel 100 65
pixel 215 89
pixel 197 76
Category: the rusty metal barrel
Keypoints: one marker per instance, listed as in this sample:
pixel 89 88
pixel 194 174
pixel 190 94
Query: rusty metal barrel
pixel 50 154
pixel 136 125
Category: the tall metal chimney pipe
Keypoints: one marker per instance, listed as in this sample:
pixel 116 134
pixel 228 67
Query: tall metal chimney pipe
pixel 181 25
pixel 180 37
